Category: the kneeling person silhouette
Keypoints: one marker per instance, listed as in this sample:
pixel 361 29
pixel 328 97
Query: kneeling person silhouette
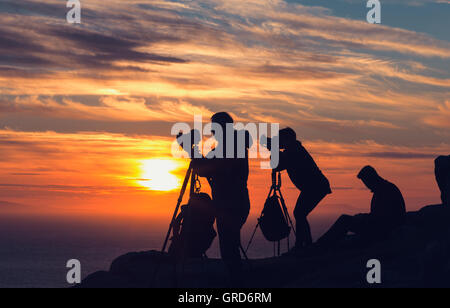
pixel 307 177
pixel 388 211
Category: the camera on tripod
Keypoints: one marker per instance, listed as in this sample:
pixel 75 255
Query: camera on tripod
pixel 272 144
pixel 267 142
pixel 189 142
pixel 280 141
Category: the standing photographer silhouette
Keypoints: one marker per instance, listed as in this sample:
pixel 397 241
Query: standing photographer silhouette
pixel 442 171
pixel 307 177
pixel 227 173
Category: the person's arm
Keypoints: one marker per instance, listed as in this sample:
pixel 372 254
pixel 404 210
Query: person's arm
pixel 378 207
pixel 204 167
pixel 389 207
pixel 208 166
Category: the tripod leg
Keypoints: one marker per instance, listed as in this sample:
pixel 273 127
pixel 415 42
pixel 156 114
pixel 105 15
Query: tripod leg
pixel 288 244
pixel 187 222
pixel 251 239
pixel 244 252
pixel 177 208
pixel 257 225
pixel 286 213
pixel 246 258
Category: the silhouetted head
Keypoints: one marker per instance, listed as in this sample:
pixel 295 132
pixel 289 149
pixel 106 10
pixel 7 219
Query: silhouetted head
pixel 369 176
pixel 442 172
pixel 287 137
pixel 222 118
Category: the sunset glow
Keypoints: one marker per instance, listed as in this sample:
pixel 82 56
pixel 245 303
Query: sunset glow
pixel 157 175
pixel 86 111
pixel 94 95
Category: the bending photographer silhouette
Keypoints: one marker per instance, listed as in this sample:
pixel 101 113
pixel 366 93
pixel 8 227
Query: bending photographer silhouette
pixel 388 211
pixel 228 180
pixel 307 177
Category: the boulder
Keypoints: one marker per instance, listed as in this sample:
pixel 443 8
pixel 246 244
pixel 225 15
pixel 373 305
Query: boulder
pixel 416 254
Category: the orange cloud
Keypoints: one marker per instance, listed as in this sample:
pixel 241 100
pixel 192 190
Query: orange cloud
pixel 80 107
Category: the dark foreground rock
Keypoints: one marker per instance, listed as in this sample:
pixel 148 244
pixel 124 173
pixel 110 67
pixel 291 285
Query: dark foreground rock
pixel 415 255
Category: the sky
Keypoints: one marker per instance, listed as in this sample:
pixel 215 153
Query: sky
pixel 86 110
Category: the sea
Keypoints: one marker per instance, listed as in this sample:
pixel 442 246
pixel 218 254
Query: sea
pixel 34 251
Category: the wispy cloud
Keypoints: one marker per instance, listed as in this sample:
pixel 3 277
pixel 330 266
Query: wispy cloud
pixel 168 55
pixel 97 94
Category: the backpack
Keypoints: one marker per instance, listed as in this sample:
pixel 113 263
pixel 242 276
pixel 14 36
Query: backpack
pixel 193 230
pixel 273 222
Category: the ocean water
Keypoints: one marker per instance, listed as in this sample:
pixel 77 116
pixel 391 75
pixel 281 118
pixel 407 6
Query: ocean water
pixel 34 250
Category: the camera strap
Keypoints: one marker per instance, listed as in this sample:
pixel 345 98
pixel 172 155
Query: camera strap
pixel 197 184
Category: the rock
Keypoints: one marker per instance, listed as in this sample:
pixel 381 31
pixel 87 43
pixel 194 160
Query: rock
pixel 435 265
pixel 104 279
pixel 417 254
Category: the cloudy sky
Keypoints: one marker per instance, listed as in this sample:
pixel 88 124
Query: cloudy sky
pixel 86 110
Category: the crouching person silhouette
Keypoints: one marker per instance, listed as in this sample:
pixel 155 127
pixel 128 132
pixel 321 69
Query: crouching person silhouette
pixel 308 178
pixel 442 171
pixel 227 174
pixel 388 211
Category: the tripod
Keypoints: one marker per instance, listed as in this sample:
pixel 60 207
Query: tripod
pixel 190 174
pixel 275 189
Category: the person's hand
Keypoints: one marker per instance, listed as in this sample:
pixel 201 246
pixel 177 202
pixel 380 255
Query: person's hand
pixel 181 140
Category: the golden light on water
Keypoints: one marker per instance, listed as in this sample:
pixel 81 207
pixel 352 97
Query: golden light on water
pixel 158 174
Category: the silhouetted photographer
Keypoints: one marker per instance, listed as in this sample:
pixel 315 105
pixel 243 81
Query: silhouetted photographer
pixel 388 211
pixel 306 176
pixel 442 171
pixel 227 172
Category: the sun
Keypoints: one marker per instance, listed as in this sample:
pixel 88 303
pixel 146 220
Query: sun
pixel 157 174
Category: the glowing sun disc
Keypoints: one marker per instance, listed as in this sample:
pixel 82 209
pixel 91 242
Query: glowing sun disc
pixel 157 175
